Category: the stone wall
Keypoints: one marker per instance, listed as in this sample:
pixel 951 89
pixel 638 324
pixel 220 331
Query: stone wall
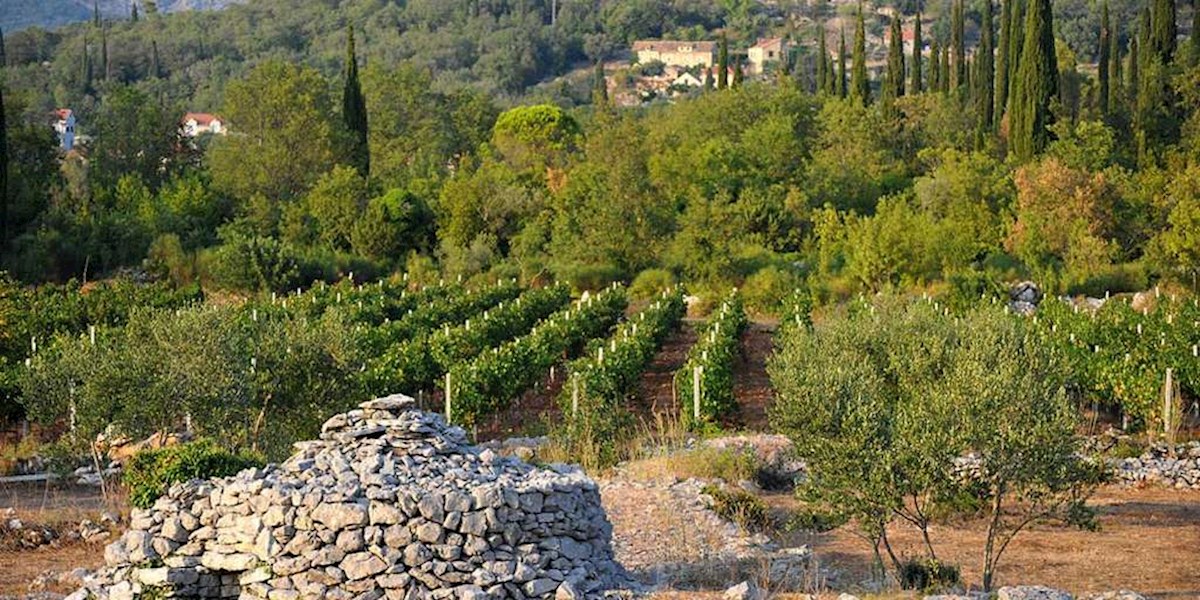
pixel 1157 466
pixel 389 502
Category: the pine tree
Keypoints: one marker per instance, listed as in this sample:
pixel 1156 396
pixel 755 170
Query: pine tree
pixel 1102 76
pixel 723 63
pixel 1163 30
pixel 985 74
pixel 822 61
pixel 935 66
pixel 958 48
pixel 599 85
pixel 354 110
pixel 1001 85
pixel 860 86
pixel 918 44
pixel 1036 84
pixel 841 70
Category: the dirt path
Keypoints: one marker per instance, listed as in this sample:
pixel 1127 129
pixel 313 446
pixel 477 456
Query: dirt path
pixel 656 391
pixel 751 385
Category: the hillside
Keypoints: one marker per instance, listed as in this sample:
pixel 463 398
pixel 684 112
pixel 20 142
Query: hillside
pixel 21 14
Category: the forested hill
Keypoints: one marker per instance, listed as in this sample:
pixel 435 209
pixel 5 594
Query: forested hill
pixel 49 14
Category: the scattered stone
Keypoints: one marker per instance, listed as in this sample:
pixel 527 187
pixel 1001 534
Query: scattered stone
pixel 745 590
pixel 1031 592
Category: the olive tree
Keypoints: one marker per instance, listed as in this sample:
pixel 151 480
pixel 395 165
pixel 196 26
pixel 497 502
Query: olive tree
pixel 886 400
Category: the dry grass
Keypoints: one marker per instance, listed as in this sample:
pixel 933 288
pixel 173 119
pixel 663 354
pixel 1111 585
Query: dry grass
pixel 702 463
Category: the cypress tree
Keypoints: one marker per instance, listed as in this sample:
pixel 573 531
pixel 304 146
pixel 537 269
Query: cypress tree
pixel 1163 30
pixel 1115 77
pixel 918 44
pixel 1102 62
pixel 1036 84
pixel 1195 39
pixel 96 13
pixel 599 85
pixel 958 48
pixel 1016 43
pixel 841 70
pixel 104 63
pixel 3 173
pixel 985 74
pixel 822 61
pixel 723 63
pixel 1001 82
pixel 895 64
pixel 87 67
pixel 708 79
pixel 945 76
pixel 134 14
pixel 3 55
pixel 935 66
pixel 860 87
pixel 1131 86
pixel 354 109
pixel 738 76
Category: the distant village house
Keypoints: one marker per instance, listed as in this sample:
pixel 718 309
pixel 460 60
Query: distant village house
pixel 676 54
pixel 766 52
pixel 197 124
pixel 64 126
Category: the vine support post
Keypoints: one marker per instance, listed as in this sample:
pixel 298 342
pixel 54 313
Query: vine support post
pixel 697 374
pixel 574 397
pixel 448 399
pixel 1169 410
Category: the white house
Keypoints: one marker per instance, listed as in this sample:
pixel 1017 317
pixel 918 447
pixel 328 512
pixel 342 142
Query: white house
pixel 675 53
pixel 64 126
pixel 765 52
pixel 197 124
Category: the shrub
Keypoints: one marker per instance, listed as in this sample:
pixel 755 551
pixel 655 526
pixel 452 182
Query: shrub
pixel 766 290
pixel 151 472
pixel 927 574
pixel 739 506
pixel 650 283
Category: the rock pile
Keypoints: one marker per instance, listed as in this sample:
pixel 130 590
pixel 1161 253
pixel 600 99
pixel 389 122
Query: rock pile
pixel 389 502
pixel 1157 466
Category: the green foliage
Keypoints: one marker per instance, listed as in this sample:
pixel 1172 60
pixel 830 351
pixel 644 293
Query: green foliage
pixel 768 289
pixel 535 137
pixel 739 506
pixel 1035 83
pixel 927 575
pixel 882 399
pixel 150 473
pixel 717 346
pixel 592 399
pixel 651 283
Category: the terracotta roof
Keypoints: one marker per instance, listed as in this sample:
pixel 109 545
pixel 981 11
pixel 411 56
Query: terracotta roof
pixel 201 119
pixel 63 113
pixel 673 46
pixel 765 42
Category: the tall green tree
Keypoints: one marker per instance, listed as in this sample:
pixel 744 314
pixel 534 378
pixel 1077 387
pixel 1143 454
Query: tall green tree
pixel 1016 45
pixel 600 85
pixel 860 86
pixel 3 172
pixel 3 55
pixel 155 64
pixel 1163 30
pixel 133 15
pixel 823 77
pixel 1115 76
pixel 1002 53
pixel 918 47
pixel 893 83
pixel 985 80
pixel 1036 84
pixel 723 62
pixel 935 66
pixel 354 109
pixel 738 74
pixel 1103 61
pixel 841 70
pixel 958 46
pixel 946 78
pixel 96 13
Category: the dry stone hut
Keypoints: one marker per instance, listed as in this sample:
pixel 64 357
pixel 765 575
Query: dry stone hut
pixel 390 502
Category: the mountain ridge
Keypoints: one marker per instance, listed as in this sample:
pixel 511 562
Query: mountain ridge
pixel 50 14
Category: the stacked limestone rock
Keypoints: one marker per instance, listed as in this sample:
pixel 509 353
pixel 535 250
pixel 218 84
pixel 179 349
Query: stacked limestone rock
pixel 390 502
pixel 1181 471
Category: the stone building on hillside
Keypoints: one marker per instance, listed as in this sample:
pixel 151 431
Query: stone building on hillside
pixel 676 54
pixel 766 52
